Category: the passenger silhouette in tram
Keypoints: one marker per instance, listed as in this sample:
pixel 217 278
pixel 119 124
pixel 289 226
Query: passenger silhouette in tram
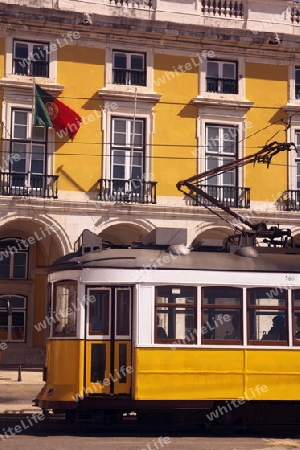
pixel 236 325
pixel 160 331
pixel 278 331
pixel 297 323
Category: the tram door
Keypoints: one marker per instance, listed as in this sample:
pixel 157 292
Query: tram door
pixel 108 341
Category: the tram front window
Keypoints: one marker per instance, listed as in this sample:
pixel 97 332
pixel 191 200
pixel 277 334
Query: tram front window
pixel 64 318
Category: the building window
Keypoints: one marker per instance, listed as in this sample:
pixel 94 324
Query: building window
pixel 13 259
pixel 64 313
pixel 28 152
pixel 267 316
pixel 297 82
pixel 12 318
pixel 129 68
pixel 297 159
pixel 127 156
pixel 175 315
pixel 221 77
pixel 30 59
pixel 222 315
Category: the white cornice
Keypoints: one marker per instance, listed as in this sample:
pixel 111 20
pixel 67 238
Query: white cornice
pixel 27 84
pixel 223 103
pixel 111 94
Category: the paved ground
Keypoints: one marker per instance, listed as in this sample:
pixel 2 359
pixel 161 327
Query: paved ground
pixel 16 396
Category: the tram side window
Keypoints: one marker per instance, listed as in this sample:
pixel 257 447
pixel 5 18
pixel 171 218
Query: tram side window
pixel 64 317
pixel 296 316
pixel 267 316
pixel 175 315
pixel 222 315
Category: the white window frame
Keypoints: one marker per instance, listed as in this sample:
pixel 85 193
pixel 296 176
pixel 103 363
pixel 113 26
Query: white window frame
pixel 9 55
pixel 31 56
pixel 148 68
pixel 12 258
pixel 220 64
pixel 24 103
pixel 28 145
pixel 143 111
pixel 221 154
pixel 19 309
pixel 240 77
pixel 128 67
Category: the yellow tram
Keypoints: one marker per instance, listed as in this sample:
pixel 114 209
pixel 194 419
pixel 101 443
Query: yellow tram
pixel 210 332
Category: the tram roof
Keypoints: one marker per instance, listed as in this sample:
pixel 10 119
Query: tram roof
pixel 261 260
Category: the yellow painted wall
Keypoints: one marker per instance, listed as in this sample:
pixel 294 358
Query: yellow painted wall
pixel 216 374
pixel 78 163
pixel 267 87
pixel 174 140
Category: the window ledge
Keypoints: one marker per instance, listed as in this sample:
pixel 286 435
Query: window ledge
pixel 54 89
pixel 293 107
pixel 142 96
pixel 223 103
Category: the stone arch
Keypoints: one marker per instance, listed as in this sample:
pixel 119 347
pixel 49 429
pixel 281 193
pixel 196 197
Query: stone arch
pixel 123 233
pixel 210 234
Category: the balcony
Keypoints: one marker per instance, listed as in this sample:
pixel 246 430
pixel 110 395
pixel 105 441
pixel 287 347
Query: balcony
pixel 28 185
pixel 127 191
pixel 222 8
pixel 234 197
pixel 290 200
pixel 221 85
pixel 30 68
pixel 129 77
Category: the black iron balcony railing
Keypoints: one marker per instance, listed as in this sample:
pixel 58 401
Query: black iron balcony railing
pixel 234 197
pixel 131 77
pixel 127 191
pixel 30 68
pixel 290 200
pixel 28 185
pixel 228 8
pixel 221 85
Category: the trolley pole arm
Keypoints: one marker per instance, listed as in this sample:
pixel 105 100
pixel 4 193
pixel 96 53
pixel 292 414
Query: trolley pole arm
pixel 193 184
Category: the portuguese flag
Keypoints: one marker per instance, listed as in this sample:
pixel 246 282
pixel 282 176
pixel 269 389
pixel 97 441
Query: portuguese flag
pixel 51 112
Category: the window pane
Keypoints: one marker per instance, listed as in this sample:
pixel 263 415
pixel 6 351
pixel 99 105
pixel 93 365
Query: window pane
pixel 120 60
pixel 267 297
pixel 213 140
pixel 65 301
pixel 21 50
pixel 175 323
pixel 18 326
pixel 175 295
pixel 123 312
pixel 119 125
pixel 213 69
pixel 228 71
pixel 17 302
pixel 38 133
pixel 229 137
pixel 99 313
pixel 137 62
pixel 20 263
pixel 5 264
pixel 267 325
pixel 20 125
pixel 3 326
pixel 20 150
pixel 221 324
pixel 297 76
pixel 39 53
pixel 222 296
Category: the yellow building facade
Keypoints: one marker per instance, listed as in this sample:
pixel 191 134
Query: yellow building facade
pixel 165 90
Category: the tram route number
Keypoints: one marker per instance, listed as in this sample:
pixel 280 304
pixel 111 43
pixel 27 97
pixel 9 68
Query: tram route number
pixel 290 278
